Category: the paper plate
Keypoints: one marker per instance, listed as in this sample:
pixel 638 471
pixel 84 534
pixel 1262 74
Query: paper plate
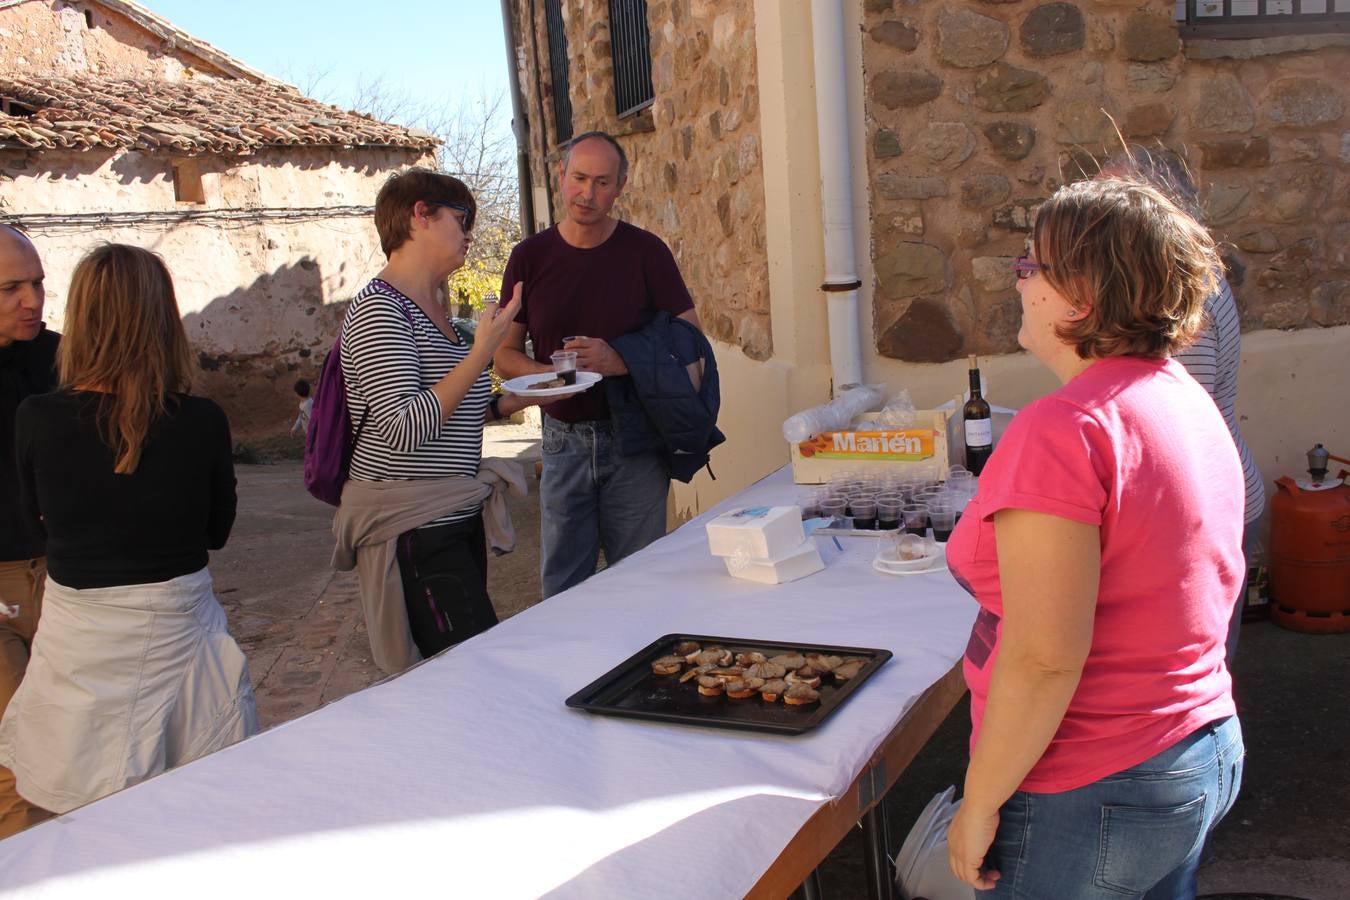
pixel 521 385
pixel 935 563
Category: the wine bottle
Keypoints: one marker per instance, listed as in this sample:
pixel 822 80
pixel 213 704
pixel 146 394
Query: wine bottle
pixel 979 426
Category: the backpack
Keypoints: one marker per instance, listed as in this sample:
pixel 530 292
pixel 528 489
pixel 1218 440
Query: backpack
pixel 330 439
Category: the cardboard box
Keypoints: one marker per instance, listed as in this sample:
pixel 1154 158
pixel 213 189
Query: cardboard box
pixel 920 450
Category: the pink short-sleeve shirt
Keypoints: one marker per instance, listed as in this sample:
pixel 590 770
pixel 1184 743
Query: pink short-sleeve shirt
pixel 1136 447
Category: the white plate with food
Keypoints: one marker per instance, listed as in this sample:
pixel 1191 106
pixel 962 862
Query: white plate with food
pixel 932 560
pixel 542 384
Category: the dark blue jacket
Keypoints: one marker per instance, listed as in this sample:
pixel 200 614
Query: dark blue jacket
pixel 655 406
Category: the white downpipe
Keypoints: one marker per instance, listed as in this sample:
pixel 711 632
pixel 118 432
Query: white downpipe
pixel 836 190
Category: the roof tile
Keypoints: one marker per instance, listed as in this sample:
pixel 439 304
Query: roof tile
pixel 217 115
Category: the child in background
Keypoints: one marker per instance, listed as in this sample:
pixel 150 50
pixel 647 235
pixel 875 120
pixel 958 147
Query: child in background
pixel 306 405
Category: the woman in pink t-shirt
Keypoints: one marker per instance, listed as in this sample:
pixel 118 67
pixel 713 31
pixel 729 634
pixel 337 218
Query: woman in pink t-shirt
pixel 1105 548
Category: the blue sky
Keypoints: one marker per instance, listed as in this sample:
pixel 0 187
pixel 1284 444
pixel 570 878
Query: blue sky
pixel 444 52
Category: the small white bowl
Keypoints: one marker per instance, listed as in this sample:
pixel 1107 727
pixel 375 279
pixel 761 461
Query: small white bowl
pixel 892 565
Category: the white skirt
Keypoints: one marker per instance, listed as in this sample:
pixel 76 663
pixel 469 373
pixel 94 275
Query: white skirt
pixel 123 683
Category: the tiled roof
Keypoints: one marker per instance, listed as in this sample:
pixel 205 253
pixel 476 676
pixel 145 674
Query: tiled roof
pixel 200 115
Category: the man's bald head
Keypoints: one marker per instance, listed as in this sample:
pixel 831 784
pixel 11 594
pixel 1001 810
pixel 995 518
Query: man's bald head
pixel 21 289
pixel 10 232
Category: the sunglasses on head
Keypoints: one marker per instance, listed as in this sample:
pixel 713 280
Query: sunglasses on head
pixel 1025 267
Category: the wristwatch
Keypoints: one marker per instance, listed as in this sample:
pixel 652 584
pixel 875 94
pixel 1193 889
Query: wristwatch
pixel 495 405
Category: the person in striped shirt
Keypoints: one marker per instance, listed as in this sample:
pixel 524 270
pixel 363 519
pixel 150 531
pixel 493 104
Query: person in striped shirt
pixel 419 393
pixel 1213 358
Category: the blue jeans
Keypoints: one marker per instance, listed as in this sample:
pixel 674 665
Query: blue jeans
pixel 590 498
pixel 1137 833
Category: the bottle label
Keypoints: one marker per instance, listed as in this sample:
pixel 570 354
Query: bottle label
pixel 979 432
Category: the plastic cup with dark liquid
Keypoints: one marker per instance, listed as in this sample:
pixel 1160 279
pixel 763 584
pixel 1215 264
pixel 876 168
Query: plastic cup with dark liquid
pixel 565 365
pixel 943 517
pixel 864 512
pixel 915 516
pixel 833 508
pixel 888 512
pixel 809 500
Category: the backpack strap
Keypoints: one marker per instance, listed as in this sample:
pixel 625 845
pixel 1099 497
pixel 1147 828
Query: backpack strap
pixel 404 303
pixel 459 332
pixel 335 356
pixel 465 339
pixel 360 426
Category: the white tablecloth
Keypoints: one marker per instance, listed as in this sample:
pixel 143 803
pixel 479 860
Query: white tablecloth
pixel 467 776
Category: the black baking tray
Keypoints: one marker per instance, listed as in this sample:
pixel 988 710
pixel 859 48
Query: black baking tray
pixel 630 689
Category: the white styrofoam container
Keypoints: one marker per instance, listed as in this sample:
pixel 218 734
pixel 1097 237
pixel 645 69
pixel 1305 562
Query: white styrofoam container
pixel 796 563
pixel 759 532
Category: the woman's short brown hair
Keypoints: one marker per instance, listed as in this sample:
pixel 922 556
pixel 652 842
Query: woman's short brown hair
pixel 1128 258
pixel 394 204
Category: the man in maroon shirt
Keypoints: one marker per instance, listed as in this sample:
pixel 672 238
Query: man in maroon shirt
pixel 588 280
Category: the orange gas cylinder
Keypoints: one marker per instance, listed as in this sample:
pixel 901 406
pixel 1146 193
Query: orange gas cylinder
pixel 1310 555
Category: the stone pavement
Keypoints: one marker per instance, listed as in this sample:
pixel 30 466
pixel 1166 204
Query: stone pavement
pixel 299 621
pixel 1288 835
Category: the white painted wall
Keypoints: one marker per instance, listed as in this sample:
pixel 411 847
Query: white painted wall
pixel 260 299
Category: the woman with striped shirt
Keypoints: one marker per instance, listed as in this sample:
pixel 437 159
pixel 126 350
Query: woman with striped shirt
pixel 1213 361
pixel 419 394
pixel 1213 358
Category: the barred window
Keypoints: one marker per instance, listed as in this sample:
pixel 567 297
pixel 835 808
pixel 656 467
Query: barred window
pixel 559 71
pixel 632 50
pixel 1261 18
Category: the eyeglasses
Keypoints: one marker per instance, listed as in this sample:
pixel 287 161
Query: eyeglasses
pixel 1025 267
pixel 466 223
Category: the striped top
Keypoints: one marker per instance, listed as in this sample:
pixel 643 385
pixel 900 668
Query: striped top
pixel 392 354
pixel 1213 361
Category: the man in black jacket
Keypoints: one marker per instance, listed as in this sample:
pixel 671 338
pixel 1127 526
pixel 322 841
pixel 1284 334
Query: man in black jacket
pixel 27 366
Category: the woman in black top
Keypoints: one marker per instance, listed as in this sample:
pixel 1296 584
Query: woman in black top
pixel 107 528
pixel 133 669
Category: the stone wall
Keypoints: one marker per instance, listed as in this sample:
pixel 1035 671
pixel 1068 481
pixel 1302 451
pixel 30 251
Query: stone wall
pixel 695 177
pixel 978 111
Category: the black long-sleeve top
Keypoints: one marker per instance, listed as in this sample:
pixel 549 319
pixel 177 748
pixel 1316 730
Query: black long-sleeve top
pixel 26 368
pixel 105 529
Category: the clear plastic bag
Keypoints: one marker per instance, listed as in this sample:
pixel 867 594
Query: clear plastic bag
pixel 851 401
pixel 898 413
